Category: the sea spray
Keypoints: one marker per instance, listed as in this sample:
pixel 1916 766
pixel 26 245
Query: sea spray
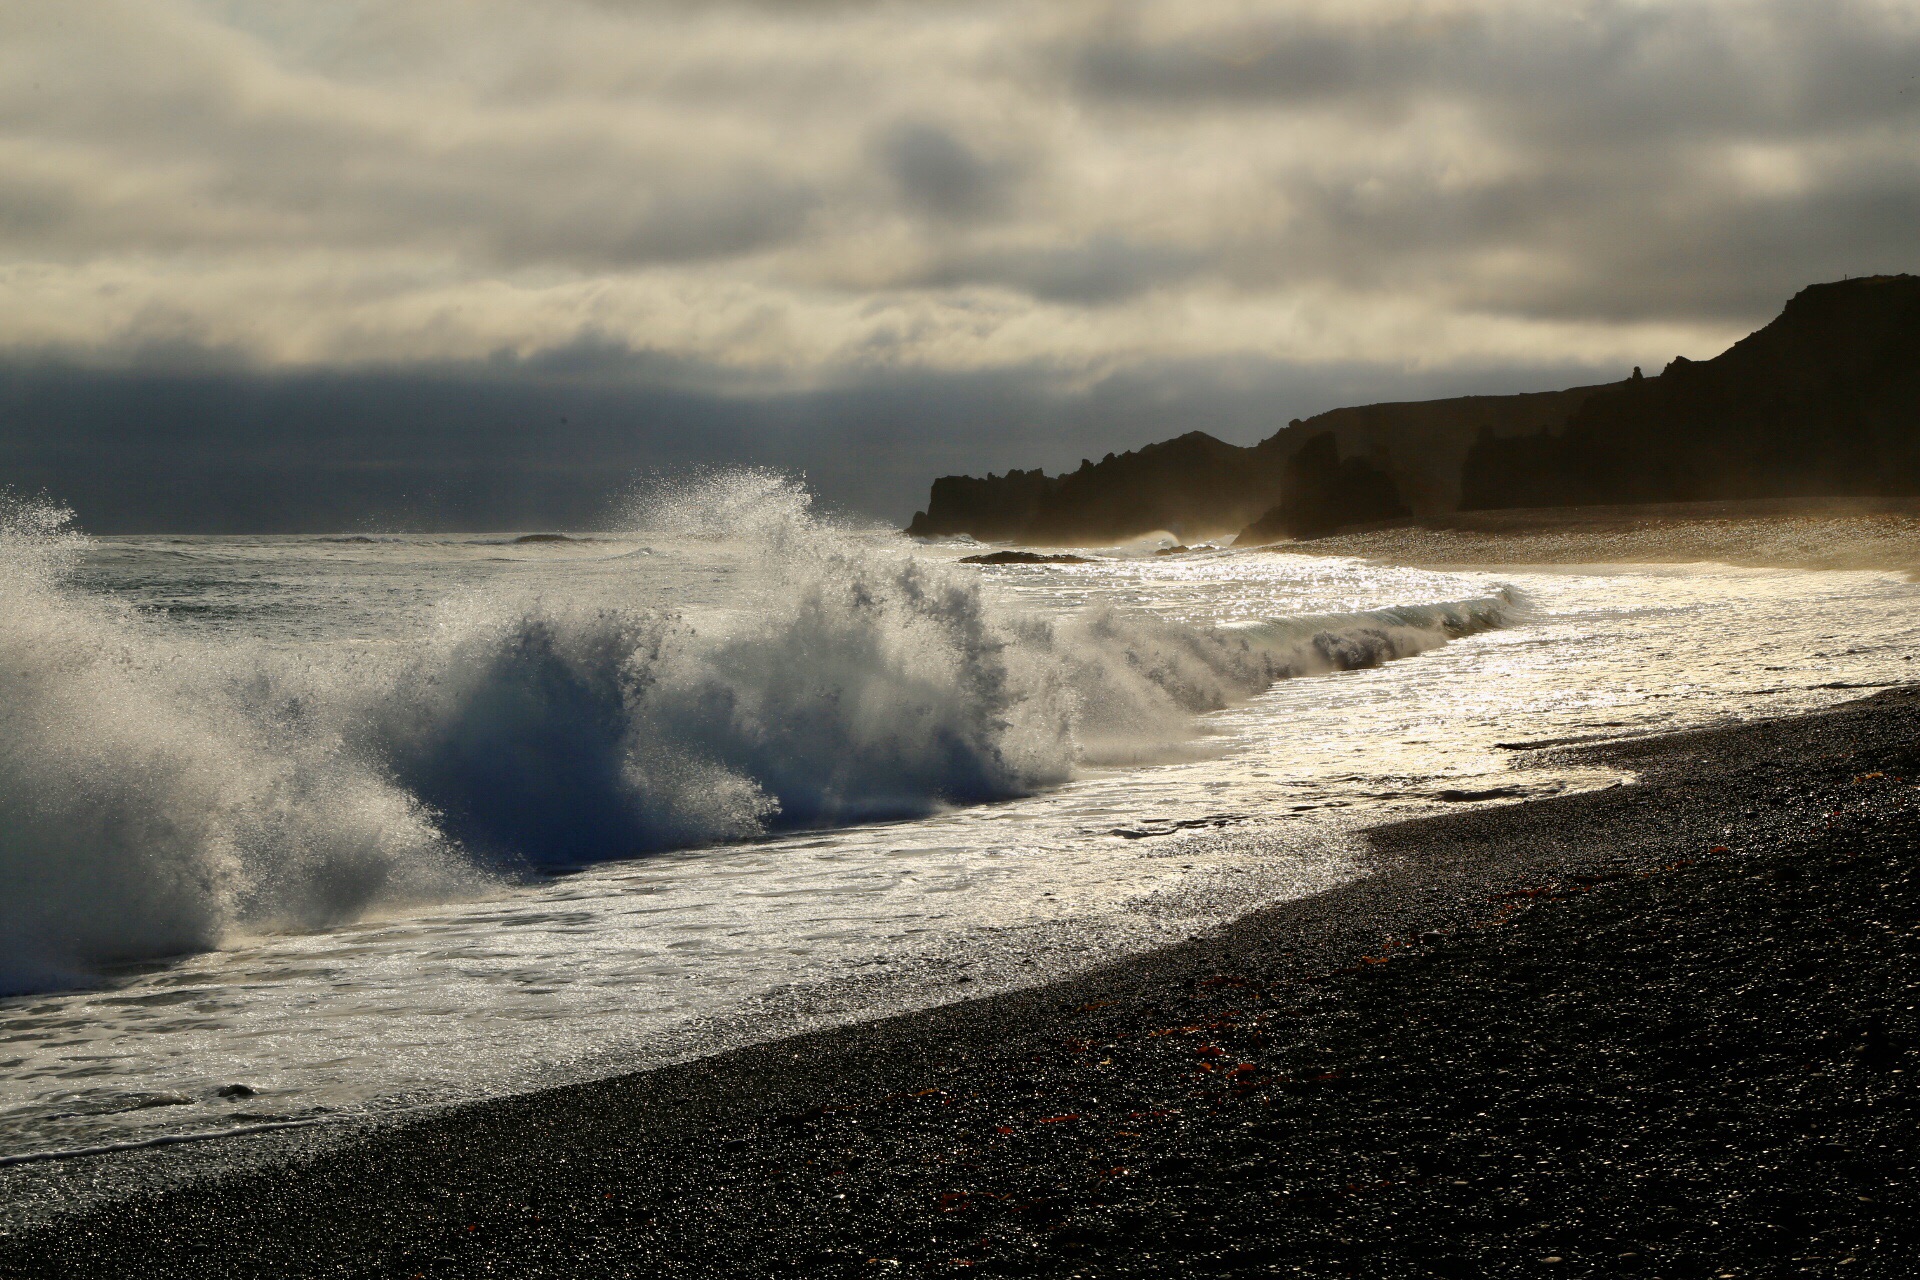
pixel 147 807
pixel 847 684
pixel 160 792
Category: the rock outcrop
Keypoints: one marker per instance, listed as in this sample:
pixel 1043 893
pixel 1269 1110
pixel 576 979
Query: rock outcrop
pixel 1022 557
pixel 990 508
pixel 1824 401
pixel 1195 486
pixel 1319 493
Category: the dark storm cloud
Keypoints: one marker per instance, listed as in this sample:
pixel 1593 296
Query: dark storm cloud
pixel 559 440
pixel 939 175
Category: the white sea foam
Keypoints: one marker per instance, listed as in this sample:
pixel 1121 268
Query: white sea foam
pixel 155 796
pixel 158 794
pixel 847 685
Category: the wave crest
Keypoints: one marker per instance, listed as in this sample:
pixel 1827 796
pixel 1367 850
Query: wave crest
pixel 150 804
pixel 159 793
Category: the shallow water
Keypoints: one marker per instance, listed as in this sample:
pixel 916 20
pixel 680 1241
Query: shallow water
pixel 500 976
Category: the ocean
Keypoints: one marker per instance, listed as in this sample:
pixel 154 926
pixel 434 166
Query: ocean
pixel 314 830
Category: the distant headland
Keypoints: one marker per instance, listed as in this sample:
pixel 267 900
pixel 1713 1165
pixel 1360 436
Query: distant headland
pixel 1822 402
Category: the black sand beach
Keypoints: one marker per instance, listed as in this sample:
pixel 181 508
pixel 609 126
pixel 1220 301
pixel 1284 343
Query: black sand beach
pixel 1665 1030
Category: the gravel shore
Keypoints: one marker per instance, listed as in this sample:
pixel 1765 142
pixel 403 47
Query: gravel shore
pixel 1666 1029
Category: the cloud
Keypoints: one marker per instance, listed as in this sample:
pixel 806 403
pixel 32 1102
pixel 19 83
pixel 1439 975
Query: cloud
pixel 1607 160
pixel 940 176
pixel 1096 272
pixel 828 192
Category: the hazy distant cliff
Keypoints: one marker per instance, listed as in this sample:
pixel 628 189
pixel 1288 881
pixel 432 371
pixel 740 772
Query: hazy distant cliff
pixel 1392 459
pixel 1195 484
pixel 1825 400
pixel 1423 443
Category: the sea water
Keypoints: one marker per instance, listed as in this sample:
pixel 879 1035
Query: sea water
pixel 371 822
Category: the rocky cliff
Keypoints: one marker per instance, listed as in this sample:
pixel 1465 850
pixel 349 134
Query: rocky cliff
pixel 1824 401
pixel 1402 457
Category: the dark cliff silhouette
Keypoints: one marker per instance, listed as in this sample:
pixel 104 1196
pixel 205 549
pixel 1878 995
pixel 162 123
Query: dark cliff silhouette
pixel 1421 444
pixel 1822 402
pixel 1199 487
pixel 1194 485
pixel 992 508
pixel 1319 493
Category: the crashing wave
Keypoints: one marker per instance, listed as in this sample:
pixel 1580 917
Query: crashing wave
pixel 158 794
pixel 155 793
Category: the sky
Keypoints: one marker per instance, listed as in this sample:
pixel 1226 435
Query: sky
pixel 346 238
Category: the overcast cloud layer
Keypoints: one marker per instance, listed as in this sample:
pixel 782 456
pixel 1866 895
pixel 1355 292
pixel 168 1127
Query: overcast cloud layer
pixel 797 193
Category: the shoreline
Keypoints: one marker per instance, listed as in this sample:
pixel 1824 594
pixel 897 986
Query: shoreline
pixel 1858 534
pixel 1284 1092
pixel 1766 533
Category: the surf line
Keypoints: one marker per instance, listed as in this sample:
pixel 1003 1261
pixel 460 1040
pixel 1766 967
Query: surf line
pixel 165 1140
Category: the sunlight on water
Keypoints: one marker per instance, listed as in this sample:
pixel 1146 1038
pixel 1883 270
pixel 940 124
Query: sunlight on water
pixel 1088 818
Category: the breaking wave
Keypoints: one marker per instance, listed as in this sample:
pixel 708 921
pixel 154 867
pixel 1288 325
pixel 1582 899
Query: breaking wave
pixel 159 794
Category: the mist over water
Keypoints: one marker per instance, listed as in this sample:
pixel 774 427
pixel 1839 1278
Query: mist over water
pixel 164 790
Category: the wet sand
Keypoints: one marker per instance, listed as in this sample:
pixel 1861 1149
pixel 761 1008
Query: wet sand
pixel 1666 1029
pixel 1832 533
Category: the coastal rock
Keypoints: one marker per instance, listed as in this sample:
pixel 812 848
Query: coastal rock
pixel 1023 557
pixel 1199 487
pixel 1824 401
pixel 987 509
pixel 1320 492
pixel 1193 486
